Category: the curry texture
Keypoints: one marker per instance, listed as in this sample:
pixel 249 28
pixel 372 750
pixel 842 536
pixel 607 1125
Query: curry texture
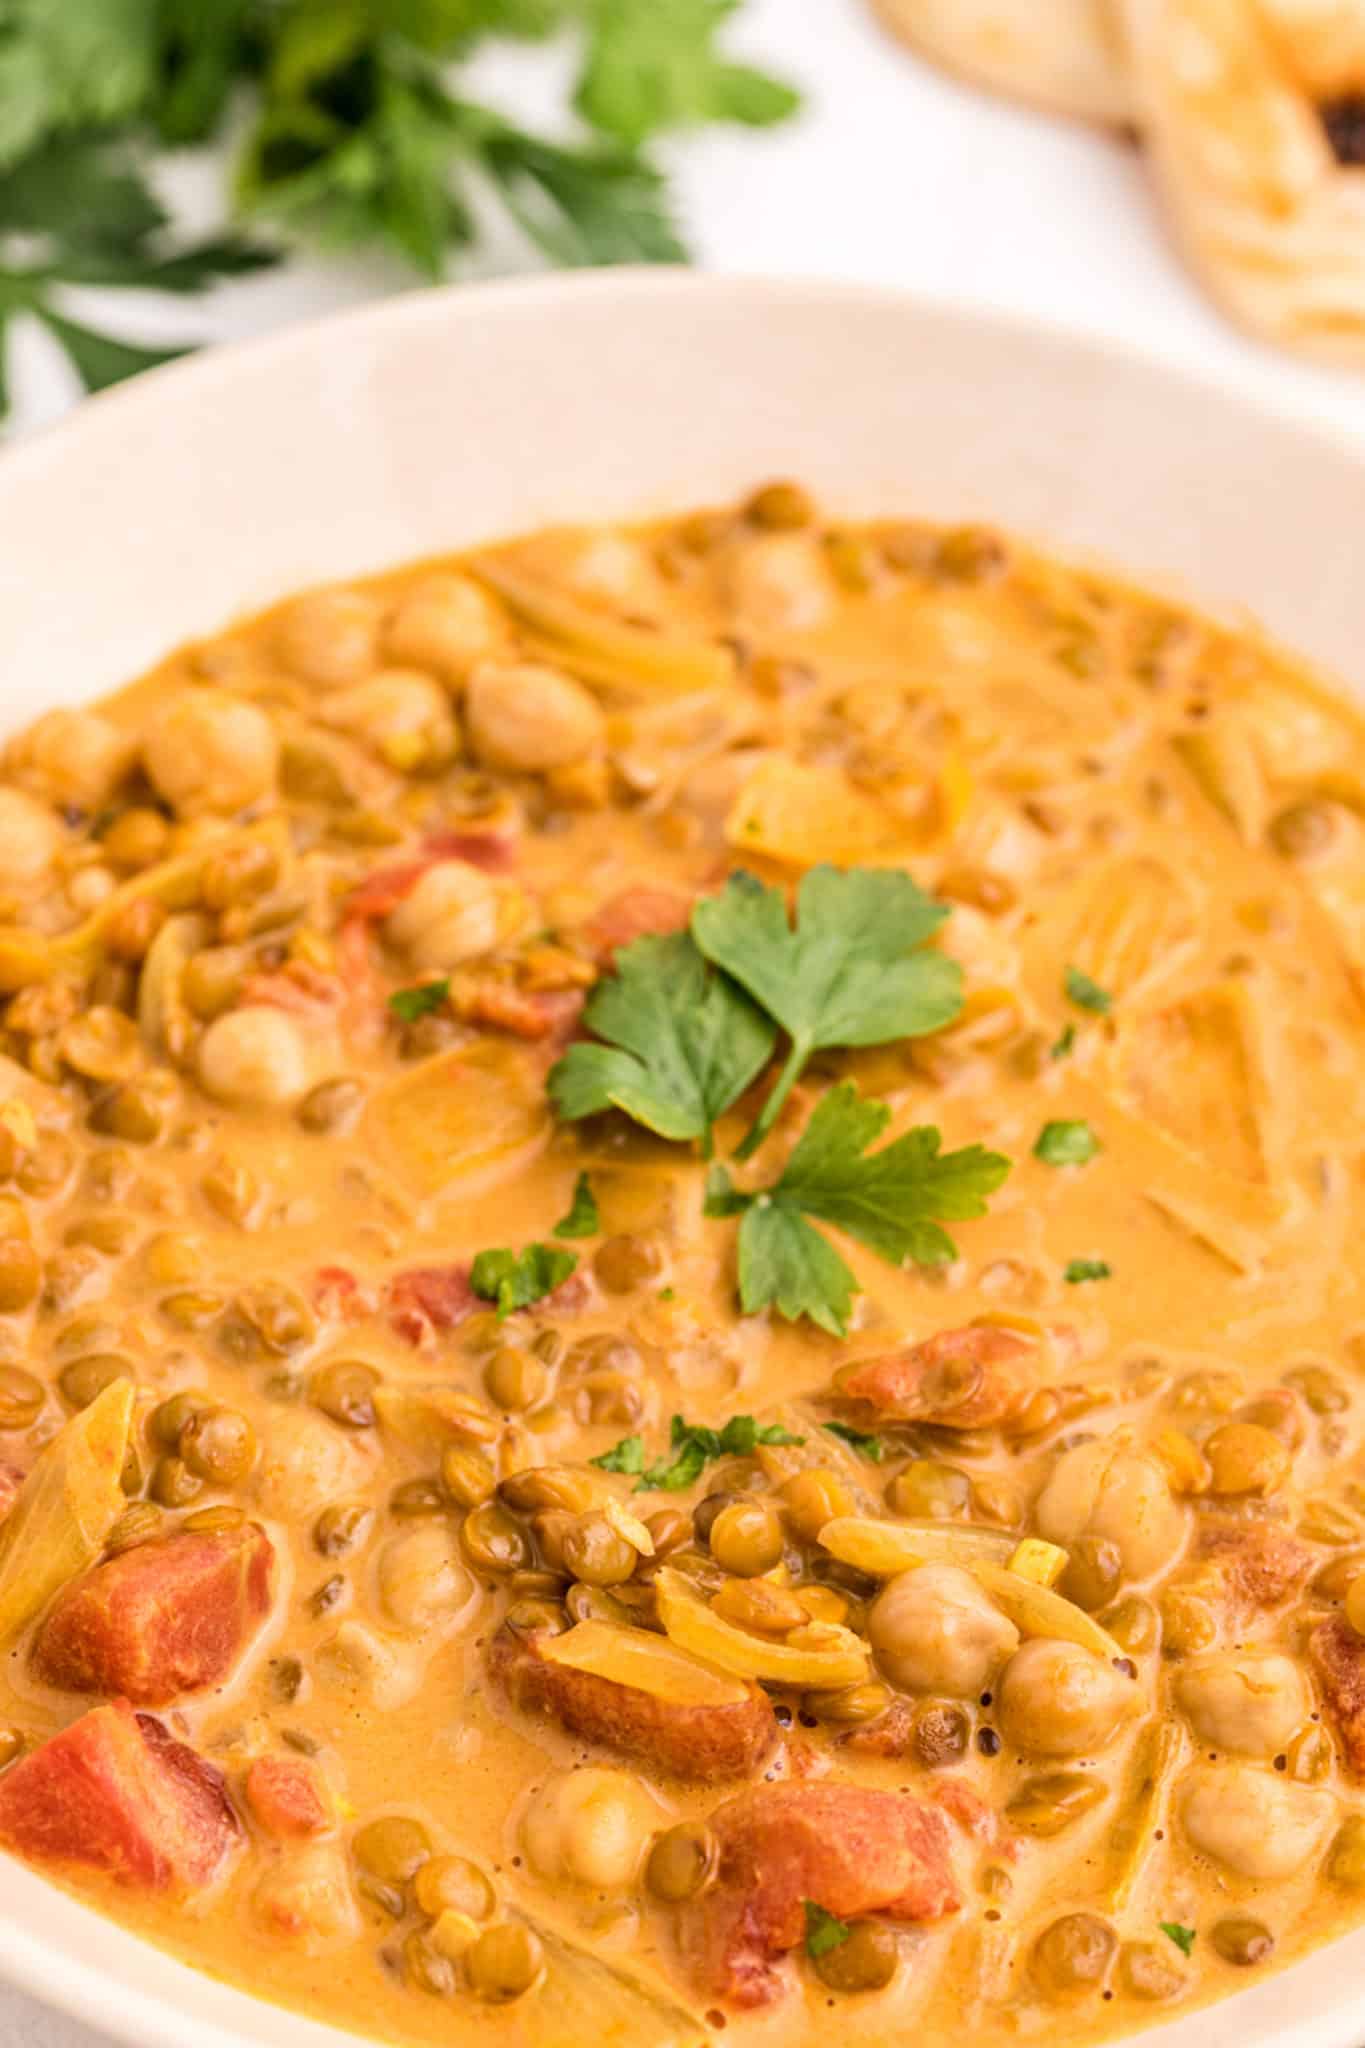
pixel 493 1553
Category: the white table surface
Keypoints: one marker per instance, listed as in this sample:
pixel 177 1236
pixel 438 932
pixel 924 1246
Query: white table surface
pixel 892 175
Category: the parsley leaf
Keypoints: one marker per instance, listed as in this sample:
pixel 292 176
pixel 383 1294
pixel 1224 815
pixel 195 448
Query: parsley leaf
pixel 627 1456
pixel 1064 1044
pixel 1087 994
pixel 1066 1144
pixel 893 1201
pixel 823 1931
pixel 694 1446
pixel 583 1219
pixel 518 1279
pixel 682 1043
pixel 1079 1270
pixel 656 66
pixel 860 1440
pixel 419 1001
pixel 852 972
pixel 1183 1937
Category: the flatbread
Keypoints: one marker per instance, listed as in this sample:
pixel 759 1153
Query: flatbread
pixel 1066 55
pixel 1229 97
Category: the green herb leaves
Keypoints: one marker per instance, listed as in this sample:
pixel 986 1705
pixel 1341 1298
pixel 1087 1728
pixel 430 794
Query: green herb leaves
pixel 1087 994
pixel 693 1446
pixel 1065 1143
pixel 1183 1937
pixel 823 1931
pixel 850 972
pixel 682 1043
pixel 422 1000
pixel 1078 1271
pixel 894 1201
pixel 860 1440
pixel 519 1279
pixel 582 1219
pixel 657 66
pixel 688 1022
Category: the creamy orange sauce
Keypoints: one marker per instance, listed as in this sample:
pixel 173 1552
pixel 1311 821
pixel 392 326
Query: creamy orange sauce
pixel 1097 785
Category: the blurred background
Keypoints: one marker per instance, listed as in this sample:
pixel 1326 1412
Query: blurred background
pixel 175 172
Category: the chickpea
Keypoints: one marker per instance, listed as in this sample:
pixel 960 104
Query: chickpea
pixel 1256 1823
pixel 1119 1495
pixel 1059 1699
pixel 307 1463
pixel 330 637
pixel 331 1109
pixel 138 838
pixel 812 1498
pixel 934 1630
pixel 779 581
pixel 21 1274
pixel 30 838
pixel 454 914
pixel 1073 1955
pixel 446 625
pixel 595 1553
pixel 424 1584
pixel 402 714
pixel 21 1398
pixel 1149 1974
pixel 590 1827
pixel 746 1538
pixel 75 757
pixel 1246 1458
pixel 1248 1702
pixel 530 718
pixel 253 1058
pixel 206 751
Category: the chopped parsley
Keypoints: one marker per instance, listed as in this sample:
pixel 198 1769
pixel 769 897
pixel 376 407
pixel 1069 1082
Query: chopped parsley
pixel 1064 1044
pixel 1087 994
pixel 823 1931
pixel 1079 1270
pixel 582 1219
pixel 851 970
pixel 1183 1937
pixel 1066 1144
pixel 421 1000
pixel 860 1440
pixel 693 1446
pixel 681 1043
pixel 517 1280
pixel 891 1200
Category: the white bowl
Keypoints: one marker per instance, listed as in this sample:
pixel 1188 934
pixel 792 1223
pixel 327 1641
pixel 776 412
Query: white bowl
pixel 437 420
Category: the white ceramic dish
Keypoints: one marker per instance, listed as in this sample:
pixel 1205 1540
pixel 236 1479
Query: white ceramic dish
pixel 434 421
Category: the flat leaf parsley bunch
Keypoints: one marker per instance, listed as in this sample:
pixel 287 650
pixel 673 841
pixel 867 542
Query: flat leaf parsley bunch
pixel 355 132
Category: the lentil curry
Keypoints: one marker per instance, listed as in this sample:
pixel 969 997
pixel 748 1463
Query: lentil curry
pixel 681 1335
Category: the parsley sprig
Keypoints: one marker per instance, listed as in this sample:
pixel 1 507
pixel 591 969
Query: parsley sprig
pixel 693 1446
pixel 824 1930
pixel 894 1201
pixel 353 128
pixel 515 1280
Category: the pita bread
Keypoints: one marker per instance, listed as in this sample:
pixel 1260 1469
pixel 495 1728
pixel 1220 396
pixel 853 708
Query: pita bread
pixel 1065 55
pixel 1229 96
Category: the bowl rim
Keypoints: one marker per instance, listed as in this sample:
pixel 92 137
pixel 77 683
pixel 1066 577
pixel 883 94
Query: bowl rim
pixel 54 1967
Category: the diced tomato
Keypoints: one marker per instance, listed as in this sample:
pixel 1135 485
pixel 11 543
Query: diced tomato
pixel 383 891
pixel 844 1847
pixel 428 1299
pixel 116 1793
pixel 494 852
pixel 297 987
pixel 338 1294
pixel 959 1379
pixel 161 1620
pixel 546 1013
pixel 287 1798
pixel 637 913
